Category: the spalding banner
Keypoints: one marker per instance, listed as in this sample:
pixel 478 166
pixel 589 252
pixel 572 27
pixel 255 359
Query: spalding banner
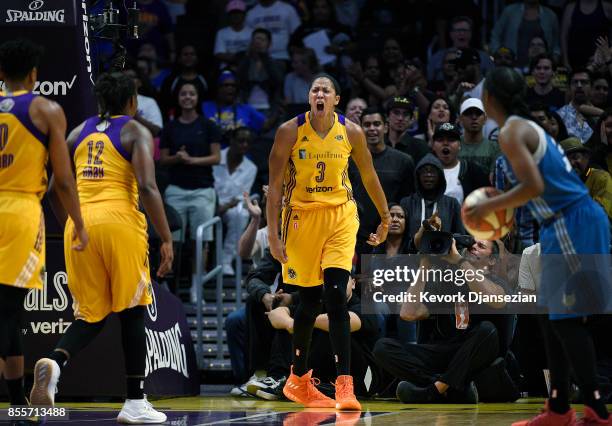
pixel 98 370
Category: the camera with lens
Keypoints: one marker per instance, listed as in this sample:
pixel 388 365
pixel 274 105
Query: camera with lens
pixel 440 242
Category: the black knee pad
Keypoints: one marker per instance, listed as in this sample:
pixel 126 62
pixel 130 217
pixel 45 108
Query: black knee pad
pixel 334 295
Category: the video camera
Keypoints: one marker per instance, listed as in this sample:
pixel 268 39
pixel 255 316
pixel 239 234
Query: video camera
pixel 107 26
pixel 440 242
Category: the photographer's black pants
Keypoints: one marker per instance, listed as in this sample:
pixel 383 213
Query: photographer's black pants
pixel 454 362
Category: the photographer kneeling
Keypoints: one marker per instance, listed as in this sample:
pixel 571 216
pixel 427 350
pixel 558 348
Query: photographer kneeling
pixel 460 345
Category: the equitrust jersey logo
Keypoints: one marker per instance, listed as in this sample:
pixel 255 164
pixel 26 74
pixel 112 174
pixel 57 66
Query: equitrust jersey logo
pixel 34 14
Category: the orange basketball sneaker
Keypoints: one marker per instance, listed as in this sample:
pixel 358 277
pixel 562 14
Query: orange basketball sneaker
pixel 345 397
pixel 303 391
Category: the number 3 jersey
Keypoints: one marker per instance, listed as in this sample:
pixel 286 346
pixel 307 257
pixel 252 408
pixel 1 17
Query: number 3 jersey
pixel 562 186
pixel 104 171
pixel 317 174
pixel 23 148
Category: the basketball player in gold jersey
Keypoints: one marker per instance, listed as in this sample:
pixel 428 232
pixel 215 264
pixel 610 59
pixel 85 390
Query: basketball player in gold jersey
pixel 32 128
pixel 113 159
pixel 319 230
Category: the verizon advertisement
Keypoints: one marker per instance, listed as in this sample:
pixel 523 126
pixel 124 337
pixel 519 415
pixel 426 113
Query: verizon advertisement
pixel 99 369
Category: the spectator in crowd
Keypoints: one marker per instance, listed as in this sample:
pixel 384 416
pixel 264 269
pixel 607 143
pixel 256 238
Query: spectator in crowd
pixel 364 332
pixel 254 240
pixel 442 88
pixel 538 112
pixel 354 109
pixel 227 112
pixel 439 113
pixel 190 146
pixel 442 368
pixel 429 198
pixel 392 55
pixel 409 81
pixel 573 114
pixel 585 20
pixel 474 146
pixel 505 57
pixel 323 18
pixel 462 176
pixel 261 78
pixel 234 175
pixel 597 181
pixel 155 27
pixel 186 72
pixel 280 19
pixel 556 126
pixel 601 142
pixel 366 80
pixel 297 83
pixel 600 92
pixel 233 40
pixel 395 172
pixel 542 68
pixel 400 117
pixel 469 80
pixel 148 113
pixel 519 23
pixel 154 73
pixel 461 36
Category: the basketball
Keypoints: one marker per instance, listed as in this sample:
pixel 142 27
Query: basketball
pixel 493 226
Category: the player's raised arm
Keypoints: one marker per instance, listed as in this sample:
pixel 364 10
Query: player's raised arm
pixel 279 157
pixel 144 171
pixel 363 159
pixel 63 185
pixel 515 142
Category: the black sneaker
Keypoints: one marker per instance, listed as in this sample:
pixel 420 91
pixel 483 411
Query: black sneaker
pixel 469 395
pixel 409 393
pixel 267 388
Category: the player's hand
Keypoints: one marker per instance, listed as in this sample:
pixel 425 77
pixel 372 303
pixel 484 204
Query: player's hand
pixel 80 239
pixel 251 205
pixel 167 256
pixel 476 212
pixel 380 236
pixel 278 251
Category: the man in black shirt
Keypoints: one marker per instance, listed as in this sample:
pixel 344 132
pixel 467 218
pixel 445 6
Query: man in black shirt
pixel 395 171
pixel 400 116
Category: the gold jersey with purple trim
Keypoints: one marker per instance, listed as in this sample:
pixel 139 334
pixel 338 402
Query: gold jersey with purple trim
pixel 104 170
pixel 23 147
pixel 317 175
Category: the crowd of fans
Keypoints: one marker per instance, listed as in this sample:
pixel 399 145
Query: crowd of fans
pixel 214 84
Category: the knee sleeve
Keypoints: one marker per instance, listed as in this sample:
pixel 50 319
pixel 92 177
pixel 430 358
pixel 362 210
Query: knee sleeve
pixel 335 293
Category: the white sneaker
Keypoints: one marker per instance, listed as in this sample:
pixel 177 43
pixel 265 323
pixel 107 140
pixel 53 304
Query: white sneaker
pixel 228 270
pixel 46 376
pixel 140 411
pixel 266 388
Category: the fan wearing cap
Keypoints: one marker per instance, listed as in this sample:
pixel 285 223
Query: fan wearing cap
pixel 235 38
pixel 226 111
pixel 462 176
pixel 474 146
pixel 598 182
pixel 400 117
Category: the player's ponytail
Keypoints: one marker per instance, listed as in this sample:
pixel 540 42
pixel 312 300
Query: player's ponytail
pixel 509 89
pixel 113 91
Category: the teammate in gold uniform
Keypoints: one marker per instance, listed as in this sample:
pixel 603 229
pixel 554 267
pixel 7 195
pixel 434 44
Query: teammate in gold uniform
pixel 31 128
pixel 319 230
pixel 113 161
